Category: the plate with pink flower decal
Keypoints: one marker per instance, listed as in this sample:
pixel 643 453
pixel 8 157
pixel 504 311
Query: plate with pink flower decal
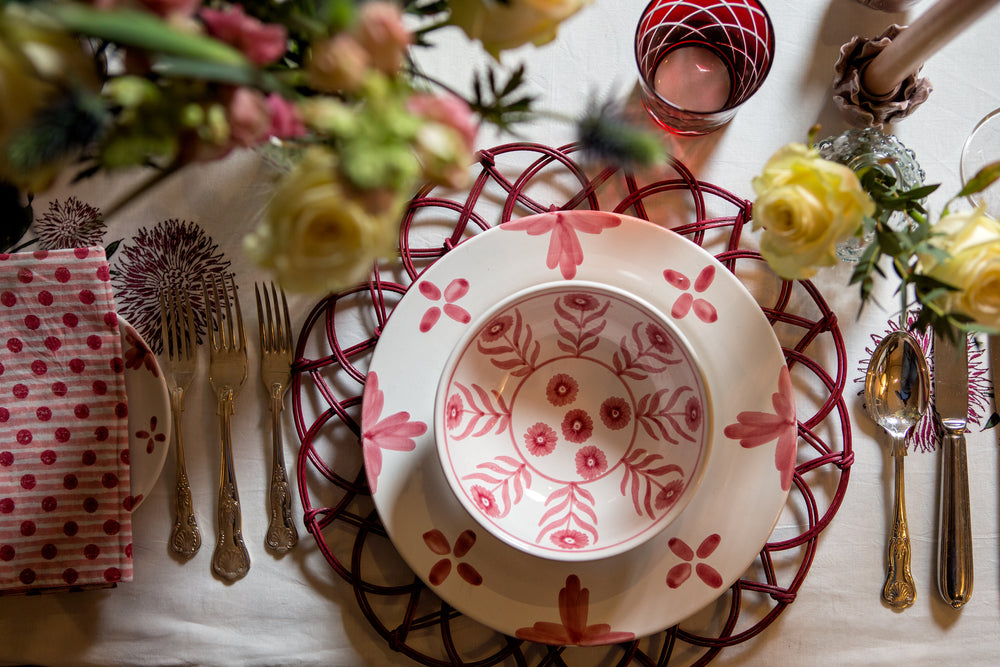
pixel 148 413
pixel 573 421
pixel 736 494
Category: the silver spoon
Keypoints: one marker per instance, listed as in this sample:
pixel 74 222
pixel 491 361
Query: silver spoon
pixel 896 396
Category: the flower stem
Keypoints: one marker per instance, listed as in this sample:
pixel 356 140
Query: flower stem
pixel 141 189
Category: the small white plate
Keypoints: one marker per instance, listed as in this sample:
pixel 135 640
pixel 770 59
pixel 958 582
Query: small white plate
pixel 646 589
pixel 148 412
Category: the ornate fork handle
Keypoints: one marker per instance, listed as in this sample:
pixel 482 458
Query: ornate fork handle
pixel 185 539
pixel 900 590
pixel 281 532
pixel 231 560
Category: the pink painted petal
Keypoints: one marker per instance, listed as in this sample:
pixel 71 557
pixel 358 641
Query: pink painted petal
pixel 429 290
pixel 429 319
pixel 601 635
pixel 591 222
pixel 708 545
pixel 373 463
pixel 372 401
pixel 574 605
pixel 755 428
pixel 680 548
pixel 784 456
pixel 705 311
pixel 708 574
pixel 682 306
pixel 784 400
pixel 544 632
pixel 457 313
pixel 571 255
pixel 677 279
pixel 439 572
pixel 456 289
pixel 464 543
pixel 437 542
pixel 704 279
pixel 469 574
pixel 535 225
pixel 678 574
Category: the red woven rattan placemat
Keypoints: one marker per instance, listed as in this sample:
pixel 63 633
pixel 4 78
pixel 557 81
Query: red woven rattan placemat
pixel 328 380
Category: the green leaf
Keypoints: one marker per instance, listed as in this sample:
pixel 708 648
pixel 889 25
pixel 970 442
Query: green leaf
pixel 145 30
pixel 112 247
pixel 982 180
pixel 242 75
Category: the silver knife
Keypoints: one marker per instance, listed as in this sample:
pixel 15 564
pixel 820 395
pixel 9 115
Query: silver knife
pixel 951 402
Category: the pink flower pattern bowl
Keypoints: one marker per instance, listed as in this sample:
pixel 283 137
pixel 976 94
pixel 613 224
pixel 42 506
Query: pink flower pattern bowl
pixel 572 421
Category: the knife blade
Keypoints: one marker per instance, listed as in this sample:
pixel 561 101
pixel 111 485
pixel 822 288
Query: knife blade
pixel 951 403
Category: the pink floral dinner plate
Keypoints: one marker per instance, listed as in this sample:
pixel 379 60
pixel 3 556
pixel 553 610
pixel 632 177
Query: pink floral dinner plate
pixel 640 591
pixel 573 421
pixel 148 413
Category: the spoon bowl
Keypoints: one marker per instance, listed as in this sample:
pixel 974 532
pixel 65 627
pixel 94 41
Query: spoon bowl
pixel 897 389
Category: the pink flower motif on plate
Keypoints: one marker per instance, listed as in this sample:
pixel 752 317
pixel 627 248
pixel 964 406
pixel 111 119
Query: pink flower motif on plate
pixel 669 494
pixel 561 390
pixel 615 413
pixel 438 543
pixel 572 630
pixel 455 290
pixel 687 302
pixel 569 539
pixel 453 411
pixel 540 439
pixel 591 462
pixel 680 573
pixel 577 426
pixel 485 501
pixel 565 250
pixel 754 429
pixel 396 432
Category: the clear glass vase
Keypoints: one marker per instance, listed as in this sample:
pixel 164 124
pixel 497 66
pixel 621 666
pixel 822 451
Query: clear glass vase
pixel 868 147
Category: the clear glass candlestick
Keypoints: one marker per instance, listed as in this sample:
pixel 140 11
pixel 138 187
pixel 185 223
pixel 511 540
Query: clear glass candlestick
pixel 868 147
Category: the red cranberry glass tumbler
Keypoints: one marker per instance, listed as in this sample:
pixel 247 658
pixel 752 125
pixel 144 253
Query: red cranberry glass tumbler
pixel 699 60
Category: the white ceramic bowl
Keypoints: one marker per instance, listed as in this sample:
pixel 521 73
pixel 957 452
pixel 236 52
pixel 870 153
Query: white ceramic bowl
pixel 573 421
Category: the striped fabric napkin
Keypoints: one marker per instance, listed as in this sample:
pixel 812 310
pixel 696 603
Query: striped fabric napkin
pixel 64 477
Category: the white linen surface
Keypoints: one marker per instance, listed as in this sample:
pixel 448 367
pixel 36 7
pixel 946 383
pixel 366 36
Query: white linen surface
pixel 295 610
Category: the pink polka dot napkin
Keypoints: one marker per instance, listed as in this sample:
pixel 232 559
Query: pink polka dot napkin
pixel 64 482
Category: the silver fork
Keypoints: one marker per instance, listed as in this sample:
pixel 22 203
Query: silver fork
pixel 180 349
pixel 275 372
pixel 227 374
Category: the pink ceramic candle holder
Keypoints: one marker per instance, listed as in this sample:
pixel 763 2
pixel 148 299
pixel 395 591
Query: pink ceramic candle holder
pixel 700 60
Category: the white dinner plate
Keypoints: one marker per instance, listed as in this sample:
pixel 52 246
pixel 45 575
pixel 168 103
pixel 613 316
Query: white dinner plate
pixel 636 593
pixel 148 413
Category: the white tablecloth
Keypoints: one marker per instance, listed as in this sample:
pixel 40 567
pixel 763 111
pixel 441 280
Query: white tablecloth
pixel 295 610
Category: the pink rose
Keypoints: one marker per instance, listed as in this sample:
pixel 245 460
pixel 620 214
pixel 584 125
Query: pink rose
pixel 286 122
pixel 249 117
pixel 164 7
pixel 447 110
pixel 262 43
pixel 381 33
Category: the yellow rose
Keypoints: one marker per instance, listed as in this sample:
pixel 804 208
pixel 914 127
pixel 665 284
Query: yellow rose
pixel 806 205
pixel 972 240
pixel 501 26
pixel 317 237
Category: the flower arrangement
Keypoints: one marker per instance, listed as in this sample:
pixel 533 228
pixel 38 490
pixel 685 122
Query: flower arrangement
pixel 98 85
pixel 806 205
